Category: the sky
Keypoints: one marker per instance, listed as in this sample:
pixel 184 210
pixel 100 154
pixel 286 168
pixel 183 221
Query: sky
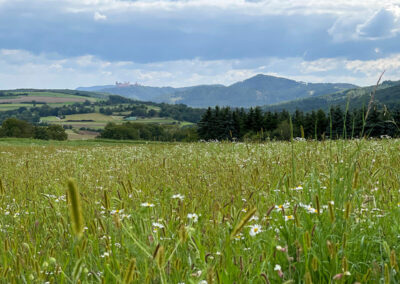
pixel 72 43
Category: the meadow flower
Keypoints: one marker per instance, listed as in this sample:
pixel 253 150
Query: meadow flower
pixel 289 217
pixel 311 210
pixel 279 248
pixel 157 226
pixel 178 196
pixel 193 216
pixel 254 230
pixel 299 187
pixel 254 218
pixel 278 268
pixel 239 237
pixel 147 204
pixel 282 206
pixel 113 212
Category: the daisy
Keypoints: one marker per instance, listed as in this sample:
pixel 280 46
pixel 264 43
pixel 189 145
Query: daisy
pixel 178 196
pixel 193 216
pixel 254 230
pixel 147 204
pixel 290 217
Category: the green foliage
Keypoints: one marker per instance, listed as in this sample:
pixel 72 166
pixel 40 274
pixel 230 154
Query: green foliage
pixel 173 212
pixel 13 127
pixel 388 94
pixel 150 131
pixel 227 124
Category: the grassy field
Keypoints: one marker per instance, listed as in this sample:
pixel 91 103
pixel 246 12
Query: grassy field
pixel 217 212
pixel 80 135
pixel 53 99
pixel 99 121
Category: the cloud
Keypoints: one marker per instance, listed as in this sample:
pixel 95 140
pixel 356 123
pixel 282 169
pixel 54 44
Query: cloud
pixel 22 69
pixel 99 17
pixel 382 24
pixel 185 42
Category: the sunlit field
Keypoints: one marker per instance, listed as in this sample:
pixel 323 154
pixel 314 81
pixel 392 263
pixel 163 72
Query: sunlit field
pixel 200 213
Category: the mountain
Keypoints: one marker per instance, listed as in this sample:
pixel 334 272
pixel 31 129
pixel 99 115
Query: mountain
pixel 255 91
pixel 388 93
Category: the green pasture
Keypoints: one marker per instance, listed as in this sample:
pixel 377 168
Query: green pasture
pixel 101 211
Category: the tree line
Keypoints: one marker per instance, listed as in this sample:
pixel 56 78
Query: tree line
pixel 114 104
pixel 149 131
pixel 230 124
pixel 13 127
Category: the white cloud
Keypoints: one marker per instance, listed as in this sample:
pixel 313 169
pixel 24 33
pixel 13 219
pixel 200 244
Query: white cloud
pixel 22 69
pixel 372 24
pixel 99 17
pixel 338 7
pixel 383 24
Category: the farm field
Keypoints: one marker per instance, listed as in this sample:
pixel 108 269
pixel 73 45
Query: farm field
pixel 17 99
pixel 104 119
pixel 185 213
pixel 99 121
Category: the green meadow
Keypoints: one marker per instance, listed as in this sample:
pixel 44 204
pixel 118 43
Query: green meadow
pixel 128 212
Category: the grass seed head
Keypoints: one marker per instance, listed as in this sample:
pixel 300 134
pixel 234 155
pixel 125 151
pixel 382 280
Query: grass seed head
pixel 75 208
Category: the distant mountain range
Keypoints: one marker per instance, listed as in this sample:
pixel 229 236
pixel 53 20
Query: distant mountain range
pixel 256 91
pixel 388 93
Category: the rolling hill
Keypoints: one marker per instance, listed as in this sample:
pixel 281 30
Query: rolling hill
pixel 388 93
pixel 255 91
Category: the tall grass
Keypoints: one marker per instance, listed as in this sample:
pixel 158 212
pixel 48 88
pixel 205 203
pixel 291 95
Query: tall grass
pixel 184 212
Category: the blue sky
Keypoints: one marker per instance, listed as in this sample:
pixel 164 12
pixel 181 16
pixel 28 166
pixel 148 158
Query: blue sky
pixel 71 43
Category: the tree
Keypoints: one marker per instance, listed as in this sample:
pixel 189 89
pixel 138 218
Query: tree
pixel 13 127
pixel 56 132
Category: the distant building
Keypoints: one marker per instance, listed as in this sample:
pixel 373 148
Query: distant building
pixel 124 84
pixel 131 118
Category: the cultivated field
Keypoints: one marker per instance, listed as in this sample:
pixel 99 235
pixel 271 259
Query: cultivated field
pixel 16 99
pixel 188 213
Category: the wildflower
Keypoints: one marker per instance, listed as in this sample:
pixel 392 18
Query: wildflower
pixel 254 218
pixel 299 187
pixel 338 276
pixel 193 216
pixel 254 230
pixel 279 248
pixel 147 204
pixel 282 206
pixel 157 226
pixel 238 237
pixel 105 254
pixel 178 196
pixel 311 210
pixel 290 217
pixel 278 268
pixel 113 212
